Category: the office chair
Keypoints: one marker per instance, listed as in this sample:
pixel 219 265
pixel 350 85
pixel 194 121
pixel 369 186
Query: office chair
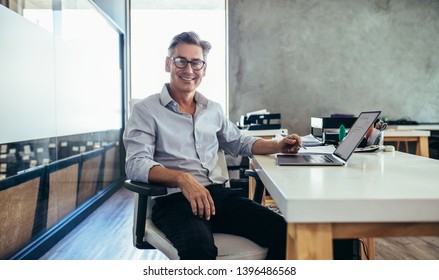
pixel 147 236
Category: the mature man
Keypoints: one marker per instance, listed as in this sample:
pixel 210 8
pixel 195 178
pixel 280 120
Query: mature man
pixel 173 137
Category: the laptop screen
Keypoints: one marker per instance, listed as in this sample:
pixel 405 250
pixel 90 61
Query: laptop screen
pixel 356 134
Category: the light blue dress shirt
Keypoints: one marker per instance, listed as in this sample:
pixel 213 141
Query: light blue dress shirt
pixel 157 133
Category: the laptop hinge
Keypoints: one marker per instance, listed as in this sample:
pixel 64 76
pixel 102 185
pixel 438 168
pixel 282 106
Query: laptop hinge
pixel 339 159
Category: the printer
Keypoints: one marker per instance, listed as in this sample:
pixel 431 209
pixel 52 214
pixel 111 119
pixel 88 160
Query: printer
pixel 260 120
pixel 326 129
pixel 263 121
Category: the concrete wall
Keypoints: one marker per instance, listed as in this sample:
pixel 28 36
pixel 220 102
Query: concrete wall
pixel 308 58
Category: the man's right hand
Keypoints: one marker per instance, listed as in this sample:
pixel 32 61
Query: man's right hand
pixel 198 196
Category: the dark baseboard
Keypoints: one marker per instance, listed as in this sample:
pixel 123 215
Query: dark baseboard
pixel 42 244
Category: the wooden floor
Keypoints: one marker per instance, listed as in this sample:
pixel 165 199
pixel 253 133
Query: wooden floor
pixel 107 235
pixel 104 235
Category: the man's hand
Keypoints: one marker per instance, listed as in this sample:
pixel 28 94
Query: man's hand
pixel 198 196
pixel 290 144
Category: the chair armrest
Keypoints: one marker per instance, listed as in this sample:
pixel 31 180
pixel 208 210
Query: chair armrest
pixel 251 173
pixel 146 189
pixel 259 188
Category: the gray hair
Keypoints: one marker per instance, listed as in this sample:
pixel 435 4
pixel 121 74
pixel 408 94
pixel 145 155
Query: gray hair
pixel 189 38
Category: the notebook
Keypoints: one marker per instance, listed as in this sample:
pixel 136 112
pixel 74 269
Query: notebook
pixel 343 151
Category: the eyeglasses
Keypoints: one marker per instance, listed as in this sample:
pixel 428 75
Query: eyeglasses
pixel 181 62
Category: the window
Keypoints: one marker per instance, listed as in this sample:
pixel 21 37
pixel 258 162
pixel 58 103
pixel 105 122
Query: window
pixel 61 91
pixel 153 24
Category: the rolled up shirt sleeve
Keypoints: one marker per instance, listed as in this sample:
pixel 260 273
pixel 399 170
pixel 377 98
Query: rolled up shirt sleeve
pixel 233 141
pixel 139 139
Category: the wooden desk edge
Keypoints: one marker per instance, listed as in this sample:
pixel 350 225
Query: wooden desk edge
pixel 314 240
pixel 422 148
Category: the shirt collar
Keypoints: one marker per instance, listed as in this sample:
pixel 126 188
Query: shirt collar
pixel 166 99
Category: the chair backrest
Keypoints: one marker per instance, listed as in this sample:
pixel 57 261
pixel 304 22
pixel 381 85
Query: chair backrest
pixel 223 165
pixel 18 204
pixel 63 184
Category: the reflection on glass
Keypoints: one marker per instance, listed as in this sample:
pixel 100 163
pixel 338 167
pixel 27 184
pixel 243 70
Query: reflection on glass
pixel 87 68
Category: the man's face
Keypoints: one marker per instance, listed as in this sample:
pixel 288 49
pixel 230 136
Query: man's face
pixel 185 79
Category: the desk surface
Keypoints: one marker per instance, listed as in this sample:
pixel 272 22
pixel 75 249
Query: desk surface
pixel 266 132
pixel 406 133
pixel 372 187
pixel 432 126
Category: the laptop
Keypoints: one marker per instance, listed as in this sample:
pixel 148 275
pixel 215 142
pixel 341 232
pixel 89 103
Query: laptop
pixel 343 152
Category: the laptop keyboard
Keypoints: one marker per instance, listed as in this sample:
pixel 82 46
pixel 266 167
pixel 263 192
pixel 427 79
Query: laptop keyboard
pixel 317 158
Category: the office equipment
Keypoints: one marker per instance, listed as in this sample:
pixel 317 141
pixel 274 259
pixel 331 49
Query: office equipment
pixel 262 121
pixel 343 151
pixel 375 195
pixel 403 121
pixel 326 129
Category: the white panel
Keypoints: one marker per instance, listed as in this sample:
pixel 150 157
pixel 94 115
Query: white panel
pixel 27 92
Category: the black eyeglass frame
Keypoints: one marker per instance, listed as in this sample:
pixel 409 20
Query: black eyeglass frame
pixel 185 62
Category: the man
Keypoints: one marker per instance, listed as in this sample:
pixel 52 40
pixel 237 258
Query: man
pixel 172 138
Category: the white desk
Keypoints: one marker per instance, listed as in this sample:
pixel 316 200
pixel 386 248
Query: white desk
pixel 266 133
pixel 374 195
pixel 415 127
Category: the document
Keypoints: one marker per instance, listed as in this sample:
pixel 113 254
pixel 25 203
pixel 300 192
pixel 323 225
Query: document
pixel 310 141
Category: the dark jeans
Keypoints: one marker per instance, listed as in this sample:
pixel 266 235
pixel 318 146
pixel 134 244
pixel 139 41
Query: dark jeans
pixel 193 236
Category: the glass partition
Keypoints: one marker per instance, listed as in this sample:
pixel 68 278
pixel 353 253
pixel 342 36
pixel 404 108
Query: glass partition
pixel 61 111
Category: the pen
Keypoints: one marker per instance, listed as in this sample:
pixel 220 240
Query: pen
pixel 301 145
